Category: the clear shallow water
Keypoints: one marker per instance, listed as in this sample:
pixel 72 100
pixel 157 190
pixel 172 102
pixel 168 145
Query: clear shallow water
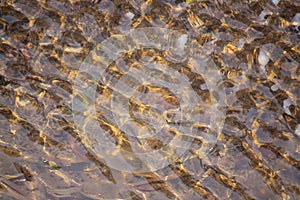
pixel 255 50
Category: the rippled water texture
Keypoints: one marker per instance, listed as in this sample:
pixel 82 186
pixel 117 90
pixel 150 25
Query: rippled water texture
pixel 150 99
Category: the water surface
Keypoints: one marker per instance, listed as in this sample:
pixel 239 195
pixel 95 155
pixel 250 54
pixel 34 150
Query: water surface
pixel 254 47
